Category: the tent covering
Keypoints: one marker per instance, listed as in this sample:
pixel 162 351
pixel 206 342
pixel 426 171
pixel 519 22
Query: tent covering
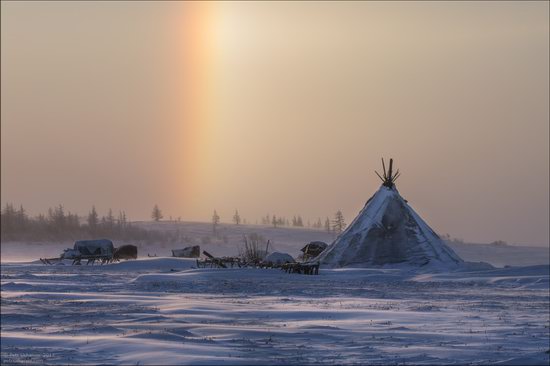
pixel 388 231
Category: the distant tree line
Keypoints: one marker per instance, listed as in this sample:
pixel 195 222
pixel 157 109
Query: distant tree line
pixel 57 224
pixel 336 225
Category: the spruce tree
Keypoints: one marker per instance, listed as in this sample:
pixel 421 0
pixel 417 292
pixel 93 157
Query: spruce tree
pixel 338 223
pixel 215 221
pixel 157 213
pixel 237 218
pixel 93 221
pixel 327 225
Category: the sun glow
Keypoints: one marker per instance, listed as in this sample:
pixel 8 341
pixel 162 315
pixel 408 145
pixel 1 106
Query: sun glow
pixel 197 108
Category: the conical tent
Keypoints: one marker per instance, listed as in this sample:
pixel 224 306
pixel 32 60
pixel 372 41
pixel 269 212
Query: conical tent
pixel 388 231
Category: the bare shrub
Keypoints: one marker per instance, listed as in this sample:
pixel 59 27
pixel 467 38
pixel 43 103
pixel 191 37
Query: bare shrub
pixel 255 248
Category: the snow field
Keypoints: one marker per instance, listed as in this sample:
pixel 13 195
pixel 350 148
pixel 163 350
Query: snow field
pixel 162 310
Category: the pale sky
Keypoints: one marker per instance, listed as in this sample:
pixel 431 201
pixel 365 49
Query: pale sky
pixel 280 108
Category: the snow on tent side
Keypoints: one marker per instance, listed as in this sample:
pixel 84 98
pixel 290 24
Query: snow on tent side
pixel 388 231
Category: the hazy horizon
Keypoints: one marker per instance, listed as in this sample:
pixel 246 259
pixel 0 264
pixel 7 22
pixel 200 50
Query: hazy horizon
pixel 280 108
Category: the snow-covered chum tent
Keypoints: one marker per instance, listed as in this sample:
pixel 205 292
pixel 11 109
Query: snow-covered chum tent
pixel 388 231
pixel 102 247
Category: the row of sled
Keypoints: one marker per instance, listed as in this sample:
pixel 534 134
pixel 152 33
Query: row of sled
pixel 103 251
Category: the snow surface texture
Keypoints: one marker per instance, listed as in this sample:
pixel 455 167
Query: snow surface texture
pixel 164 311
pixel 388 231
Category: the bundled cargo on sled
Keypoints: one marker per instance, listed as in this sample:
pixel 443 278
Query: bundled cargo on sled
pixel 91 250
